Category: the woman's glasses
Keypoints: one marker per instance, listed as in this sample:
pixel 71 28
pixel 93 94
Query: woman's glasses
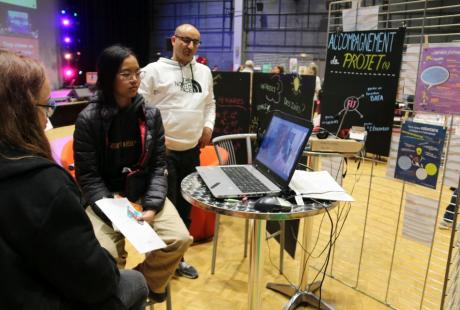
pixel 49 107
pixel 129 76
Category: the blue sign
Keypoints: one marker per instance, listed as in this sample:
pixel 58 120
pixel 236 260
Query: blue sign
pixel 419 153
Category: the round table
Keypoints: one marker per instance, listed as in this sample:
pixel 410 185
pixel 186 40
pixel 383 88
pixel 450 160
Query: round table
pixel 196 193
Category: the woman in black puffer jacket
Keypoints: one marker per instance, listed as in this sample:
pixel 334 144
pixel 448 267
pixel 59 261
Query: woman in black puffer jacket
pixel 119 150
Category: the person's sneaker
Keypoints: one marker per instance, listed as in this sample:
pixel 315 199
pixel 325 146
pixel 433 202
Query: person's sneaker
pixel 186 270
pixel 443 224
pixel 156 298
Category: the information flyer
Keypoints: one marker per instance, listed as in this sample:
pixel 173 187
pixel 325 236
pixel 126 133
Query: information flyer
pixel 419 153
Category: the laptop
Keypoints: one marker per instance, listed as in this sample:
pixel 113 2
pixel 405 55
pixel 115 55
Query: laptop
pixel 274 165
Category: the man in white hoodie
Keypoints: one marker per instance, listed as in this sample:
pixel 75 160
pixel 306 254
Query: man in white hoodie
pixel 183 91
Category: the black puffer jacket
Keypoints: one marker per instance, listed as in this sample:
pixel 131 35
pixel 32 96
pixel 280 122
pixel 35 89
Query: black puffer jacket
pixel 147 182
pixel 49 256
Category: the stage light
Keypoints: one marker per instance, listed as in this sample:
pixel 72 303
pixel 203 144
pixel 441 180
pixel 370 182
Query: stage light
pixel 66 22
pixel 75 14
pixel 62 12
pixel 67 40
pixel 69 72
pixel 80 72
pixel 67 56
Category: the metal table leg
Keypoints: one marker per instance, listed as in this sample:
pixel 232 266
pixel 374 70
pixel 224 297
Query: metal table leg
pixel 304 293
pixel 256 264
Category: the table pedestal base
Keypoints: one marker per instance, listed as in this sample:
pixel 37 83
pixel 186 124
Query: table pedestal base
pixel 298 297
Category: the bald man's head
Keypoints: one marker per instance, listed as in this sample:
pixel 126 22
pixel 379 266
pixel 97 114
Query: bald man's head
pixel 186 28
pixel 185 41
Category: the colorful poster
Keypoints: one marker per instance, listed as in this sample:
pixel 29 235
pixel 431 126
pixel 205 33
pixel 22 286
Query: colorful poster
pixel 419 153
pixel 438 83
pixel 360 84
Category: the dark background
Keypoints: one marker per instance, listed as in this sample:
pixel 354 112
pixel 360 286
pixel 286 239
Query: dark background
pixel 231 92
pixel 106 22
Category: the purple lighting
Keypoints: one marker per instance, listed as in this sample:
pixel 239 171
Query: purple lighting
pixel 69 72
pixel 65 22
pixel 67 40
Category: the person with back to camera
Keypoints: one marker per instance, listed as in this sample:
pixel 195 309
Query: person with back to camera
pixel 119 150
pixel 183 91
pixel 50 257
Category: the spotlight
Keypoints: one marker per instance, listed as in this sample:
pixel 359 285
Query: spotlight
pixel 80 72
pixel 65 22
pixel 69 72
pixel 62 12
pixel 75 14
pixel 67 56
pixel 78 53
pixel 67 40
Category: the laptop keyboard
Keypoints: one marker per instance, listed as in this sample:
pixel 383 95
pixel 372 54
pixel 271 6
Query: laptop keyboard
pixel 244 180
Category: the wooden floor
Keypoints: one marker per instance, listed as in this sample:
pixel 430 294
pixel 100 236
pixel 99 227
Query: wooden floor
pixel 227 289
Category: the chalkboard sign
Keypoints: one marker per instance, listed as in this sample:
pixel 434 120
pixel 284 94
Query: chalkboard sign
pixel 360 83
pixel 231 92
pixel 290 93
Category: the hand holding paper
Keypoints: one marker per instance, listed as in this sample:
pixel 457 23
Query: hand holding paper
pixel 125 218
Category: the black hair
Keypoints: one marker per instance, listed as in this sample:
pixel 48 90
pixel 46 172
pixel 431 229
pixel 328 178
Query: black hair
pixel 108 63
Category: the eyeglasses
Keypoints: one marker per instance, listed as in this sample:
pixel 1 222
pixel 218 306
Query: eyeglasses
pixel 49 107
pixel 187 40
pixel 129 76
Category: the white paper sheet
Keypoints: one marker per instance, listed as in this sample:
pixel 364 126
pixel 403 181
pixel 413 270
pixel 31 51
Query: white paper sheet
pixel 318 185
pixel 419 218
pixel 141 236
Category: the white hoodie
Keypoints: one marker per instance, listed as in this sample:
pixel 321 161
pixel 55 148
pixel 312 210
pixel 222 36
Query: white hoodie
pixel 184 95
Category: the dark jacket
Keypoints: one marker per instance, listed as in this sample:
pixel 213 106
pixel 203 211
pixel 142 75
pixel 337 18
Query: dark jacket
pixel 49 255
pixel 147 182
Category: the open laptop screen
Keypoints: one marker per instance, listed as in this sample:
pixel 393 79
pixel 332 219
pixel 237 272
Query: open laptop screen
pixel 281 146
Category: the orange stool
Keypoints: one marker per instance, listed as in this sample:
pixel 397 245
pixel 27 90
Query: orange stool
pixel 202 226
pixel 67 160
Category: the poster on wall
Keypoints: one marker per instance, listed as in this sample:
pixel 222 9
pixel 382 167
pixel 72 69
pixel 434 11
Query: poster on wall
pixel 419 153
pixel 289 93
pixel 438 82
pixel 360 84
pixel 231 92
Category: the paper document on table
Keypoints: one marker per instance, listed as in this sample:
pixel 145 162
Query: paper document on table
pixel 139 233
pixel 318 185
